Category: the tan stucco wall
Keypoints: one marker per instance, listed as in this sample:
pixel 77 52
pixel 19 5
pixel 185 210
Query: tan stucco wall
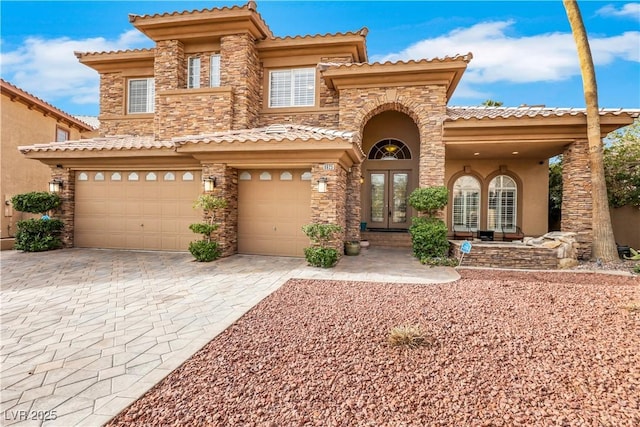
pixel 626 226
pixel 22 126
pixel 532 197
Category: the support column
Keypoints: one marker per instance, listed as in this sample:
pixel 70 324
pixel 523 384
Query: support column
pixel 227 188
pixel 330 207
pixel 66 210
pixel 577 209
pixel 353 207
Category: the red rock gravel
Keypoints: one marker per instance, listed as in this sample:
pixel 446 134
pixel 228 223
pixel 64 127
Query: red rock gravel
pixel 511 348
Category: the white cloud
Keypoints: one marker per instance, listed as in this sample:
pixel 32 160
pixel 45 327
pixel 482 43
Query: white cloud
pixel 498 57
pixel 629 10
pixel 48 68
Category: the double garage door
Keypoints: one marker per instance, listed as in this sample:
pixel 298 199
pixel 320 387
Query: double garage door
pixel 152 210
pixel 148 210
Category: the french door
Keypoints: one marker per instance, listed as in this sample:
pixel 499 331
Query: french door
pixel 388 203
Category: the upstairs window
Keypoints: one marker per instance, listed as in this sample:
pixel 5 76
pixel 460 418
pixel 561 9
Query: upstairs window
pixel 214 71
pixel 61 134
pixel 193 72
pixel 141 96
pixel 292 88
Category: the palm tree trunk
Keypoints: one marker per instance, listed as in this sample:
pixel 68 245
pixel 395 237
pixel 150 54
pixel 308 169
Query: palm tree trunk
pixel 604 245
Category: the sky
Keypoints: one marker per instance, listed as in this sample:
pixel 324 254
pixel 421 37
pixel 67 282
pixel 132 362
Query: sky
pixel 523 51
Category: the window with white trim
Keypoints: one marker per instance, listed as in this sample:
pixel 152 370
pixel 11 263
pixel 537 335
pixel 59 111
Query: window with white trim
pixel 292 88
pixel 141 96
pixel 466 203
pixel 62 134
pixel 503 197
pixel 193 72
pixel 214 71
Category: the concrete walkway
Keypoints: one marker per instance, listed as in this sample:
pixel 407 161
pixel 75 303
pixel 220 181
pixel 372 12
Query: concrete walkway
pixel 84 333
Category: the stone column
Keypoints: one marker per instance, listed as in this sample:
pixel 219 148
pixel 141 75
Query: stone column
pixel 227 188
pixel 66 211
pixel 170 72
pixel 240 68
pixel 330 207
pixel 353 207
pixel 577 210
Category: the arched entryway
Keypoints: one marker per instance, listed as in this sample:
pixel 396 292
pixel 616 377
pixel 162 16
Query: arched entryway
pixel 391 142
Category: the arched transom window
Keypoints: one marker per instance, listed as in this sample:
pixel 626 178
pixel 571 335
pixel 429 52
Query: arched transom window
pixel 503 198
pixel 389 149
pixel 466 203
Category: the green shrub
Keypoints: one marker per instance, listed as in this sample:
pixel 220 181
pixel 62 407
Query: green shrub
pixel 429 238
pixel 203 228
pixel 440 262
pixel 204 251
pixel 37 235
pixel 35 202
pixel 321 257
pixel 429 199
pixel 636 268
pixel 321 234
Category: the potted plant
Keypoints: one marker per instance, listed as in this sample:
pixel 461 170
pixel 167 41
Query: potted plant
pixel 352 247
pixel 321 254
pixel 206 249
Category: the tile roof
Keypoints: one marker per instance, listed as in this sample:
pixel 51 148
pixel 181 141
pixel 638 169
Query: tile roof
pixel 467 113
pixel 14 91
pixel 361 32
pixel 79 54
pixel 271 133
pixel 466 58
pixel 120 142
pixel 90 120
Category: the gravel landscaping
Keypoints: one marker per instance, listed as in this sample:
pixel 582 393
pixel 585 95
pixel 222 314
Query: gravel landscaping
pixel 502 348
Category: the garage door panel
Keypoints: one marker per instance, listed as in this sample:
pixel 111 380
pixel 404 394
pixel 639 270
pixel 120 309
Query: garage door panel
pixel 109 213
pixel 272 212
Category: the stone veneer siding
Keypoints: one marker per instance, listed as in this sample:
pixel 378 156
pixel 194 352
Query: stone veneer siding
pixel 227 188
pixel 170 74
pixel 426 105
pixel 577 208
pixel 240 69
pixel 193 112
pixel 353 206
pixel 330 207
pixel 113 118
pixel 322 119
pixel 507 256
pixel 66 210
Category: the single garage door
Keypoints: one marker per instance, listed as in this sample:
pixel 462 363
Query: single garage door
pixel 136 209
pixel 273 205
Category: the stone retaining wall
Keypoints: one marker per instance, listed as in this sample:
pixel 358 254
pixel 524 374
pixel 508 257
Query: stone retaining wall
pixel 506 255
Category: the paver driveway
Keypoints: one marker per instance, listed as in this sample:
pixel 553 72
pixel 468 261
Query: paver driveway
pixel 86 332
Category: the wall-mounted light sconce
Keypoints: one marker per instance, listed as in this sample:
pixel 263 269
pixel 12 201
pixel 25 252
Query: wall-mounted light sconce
pixel 361 179
pixel 55 186
pixel 322 185
pixel 209 183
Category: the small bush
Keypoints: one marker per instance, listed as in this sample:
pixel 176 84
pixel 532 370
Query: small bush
pixel 35 202
pixel 411 336
pixel 203 228
pixel 204 251
pixel 429 199
pixel 37 235
pixel 440 262
pixel 429 238
pixel 321 257
pixel 321 234
pixel 636 269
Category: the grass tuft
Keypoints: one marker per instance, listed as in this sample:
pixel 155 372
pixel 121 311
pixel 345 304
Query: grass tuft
pixel 412 336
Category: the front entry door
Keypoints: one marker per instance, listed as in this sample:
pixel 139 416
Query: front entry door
pixel 389 194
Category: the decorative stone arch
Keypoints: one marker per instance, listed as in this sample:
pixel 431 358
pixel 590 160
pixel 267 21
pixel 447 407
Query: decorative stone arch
pixel 376 106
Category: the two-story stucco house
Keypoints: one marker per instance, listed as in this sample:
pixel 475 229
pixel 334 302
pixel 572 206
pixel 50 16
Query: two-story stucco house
pixel 293 130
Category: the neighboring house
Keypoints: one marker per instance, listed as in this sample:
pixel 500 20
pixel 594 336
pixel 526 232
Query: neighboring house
pixel 27 120
pixel 293 130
